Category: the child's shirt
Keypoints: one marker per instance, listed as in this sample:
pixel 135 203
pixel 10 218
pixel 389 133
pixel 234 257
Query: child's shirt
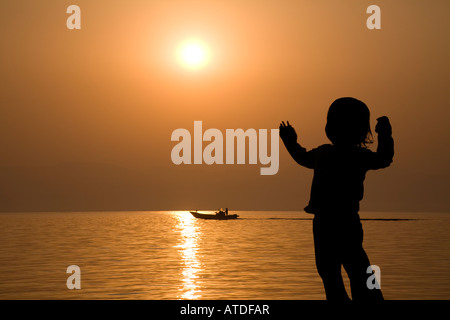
pixel 339 173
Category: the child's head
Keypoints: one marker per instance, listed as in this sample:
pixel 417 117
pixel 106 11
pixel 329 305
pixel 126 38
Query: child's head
pixel 348 122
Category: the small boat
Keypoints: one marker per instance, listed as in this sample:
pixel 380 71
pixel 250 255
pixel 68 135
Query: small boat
pixel 220 215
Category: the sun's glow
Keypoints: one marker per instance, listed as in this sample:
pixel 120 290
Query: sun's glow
pixel 193 54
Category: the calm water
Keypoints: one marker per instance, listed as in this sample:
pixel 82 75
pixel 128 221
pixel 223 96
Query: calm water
pixel 171 255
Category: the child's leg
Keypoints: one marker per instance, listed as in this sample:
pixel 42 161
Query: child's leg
pixel 356 262
pixel 328 261
pixel 330 272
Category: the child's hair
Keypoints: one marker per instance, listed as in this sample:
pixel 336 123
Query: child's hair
pixel 348 122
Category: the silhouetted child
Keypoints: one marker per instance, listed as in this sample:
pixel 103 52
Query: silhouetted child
pixel 337 188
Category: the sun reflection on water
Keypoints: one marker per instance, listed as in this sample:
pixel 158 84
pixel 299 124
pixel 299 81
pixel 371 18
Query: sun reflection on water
pixel 189 234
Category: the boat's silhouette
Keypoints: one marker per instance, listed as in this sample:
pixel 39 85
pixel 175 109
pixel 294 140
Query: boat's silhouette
pixel 219 215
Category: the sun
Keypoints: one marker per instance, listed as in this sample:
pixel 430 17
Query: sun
pixel 193 54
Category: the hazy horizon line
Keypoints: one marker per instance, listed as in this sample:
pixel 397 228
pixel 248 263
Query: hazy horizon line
pixel 187 210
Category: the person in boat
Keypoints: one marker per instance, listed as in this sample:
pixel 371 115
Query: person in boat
pixel 226 211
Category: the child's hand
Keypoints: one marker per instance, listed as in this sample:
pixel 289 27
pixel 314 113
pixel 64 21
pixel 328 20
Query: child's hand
pixel 383 126
pixel 287 133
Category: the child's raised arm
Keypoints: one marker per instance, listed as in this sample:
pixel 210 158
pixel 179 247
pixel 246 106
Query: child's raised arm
pixel 385 150
pixel 297 152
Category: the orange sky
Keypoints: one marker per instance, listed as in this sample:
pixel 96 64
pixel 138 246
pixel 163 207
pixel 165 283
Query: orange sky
pixel 87 115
